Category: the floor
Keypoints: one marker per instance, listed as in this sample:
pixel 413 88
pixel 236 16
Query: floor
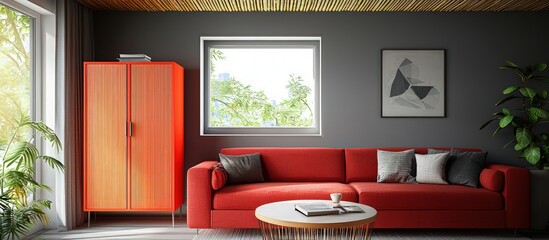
pixel 134 227
pixel 160 227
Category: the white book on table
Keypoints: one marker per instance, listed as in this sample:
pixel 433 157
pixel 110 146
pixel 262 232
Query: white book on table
pixel 315 209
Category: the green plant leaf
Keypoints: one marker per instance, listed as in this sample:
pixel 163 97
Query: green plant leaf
pixel 53 163
pixel 532 117
pixel 487 123
pixel 510 89
pixel 505 111
pixel 539 112
pixel 509 143
pixel 505 121
pixel 532 155
pixel 496 131
pixel 540 67
pixel 19 183
pixel 519 147
pixel 502 101
pixel 16 221
pixel 524 137
pixel 544 94
pixel 509 63
pixel 528 92
pixel 47 133
pixel 21 155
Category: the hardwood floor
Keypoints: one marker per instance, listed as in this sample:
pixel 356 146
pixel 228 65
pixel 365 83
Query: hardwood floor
pixel 160 227
pixel 134 227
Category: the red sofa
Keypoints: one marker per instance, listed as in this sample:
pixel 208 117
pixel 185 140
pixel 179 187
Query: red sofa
pixel 314 173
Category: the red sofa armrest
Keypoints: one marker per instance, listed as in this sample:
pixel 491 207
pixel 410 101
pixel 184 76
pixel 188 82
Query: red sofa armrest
pixel 199 195
pixel 516 194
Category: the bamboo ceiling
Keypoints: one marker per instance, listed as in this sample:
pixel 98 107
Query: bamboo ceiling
pixel 317 5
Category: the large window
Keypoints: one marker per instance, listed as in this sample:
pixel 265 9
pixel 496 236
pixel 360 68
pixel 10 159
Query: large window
pixel 260 86
pixel 16 74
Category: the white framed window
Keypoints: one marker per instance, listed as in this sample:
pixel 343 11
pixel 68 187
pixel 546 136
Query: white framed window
pixel 42 89
pixel 260 86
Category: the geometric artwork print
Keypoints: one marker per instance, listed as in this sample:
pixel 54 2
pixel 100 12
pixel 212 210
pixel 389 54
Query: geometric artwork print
pixel 408 90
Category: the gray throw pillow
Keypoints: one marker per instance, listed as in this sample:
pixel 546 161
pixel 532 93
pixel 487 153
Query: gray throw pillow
pixel 464 168
pixel 242 168
pixel 395 166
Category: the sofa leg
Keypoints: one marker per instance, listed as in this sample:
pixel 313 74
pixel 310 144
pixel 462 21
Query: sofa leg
pixel 198 229
pixel 515 233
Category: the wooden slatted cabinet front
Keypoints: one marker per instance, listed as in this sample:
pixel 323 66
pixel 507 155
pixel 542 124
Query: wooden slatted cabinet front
pixel 133 136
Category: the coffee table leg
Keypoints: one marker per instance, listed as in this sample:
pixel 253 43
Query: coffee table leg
pixel 276 232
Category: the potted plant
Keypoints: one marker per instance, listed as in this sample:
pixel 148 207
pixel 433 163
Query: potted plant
pixel 18 211
pixel 525 115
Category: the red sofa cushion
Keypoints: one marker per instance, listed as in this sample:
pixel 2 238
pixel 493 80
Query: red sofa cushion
pixel 298 164
pixel 251 196
pixel 399 196
pixel 492 179
pixel 219 178
pixel 361 163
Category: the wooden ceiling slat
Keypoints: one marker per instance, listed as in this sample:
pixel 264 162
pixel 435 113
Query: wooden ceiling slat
pixel 344 4
pixel 219 5
pixel 352 5
pixel 396 5
pixel 317 5
pixel 460 5
pixel 388 5
pixel 182 5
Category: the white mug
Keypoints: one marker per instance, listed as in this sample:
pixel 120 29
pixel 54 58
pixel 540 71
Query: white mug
pixel 336 197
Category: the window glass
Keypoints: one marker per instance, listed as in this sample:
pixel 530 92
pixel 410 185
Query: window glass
pixel 15 72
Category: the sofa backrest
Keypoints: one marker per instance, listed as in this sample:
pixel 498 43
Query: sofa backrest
pixel 298 164
pixel 361 163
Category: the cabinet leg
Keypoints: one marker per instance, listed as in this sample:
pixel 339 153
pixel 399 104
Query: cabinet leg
pixel 173 220
pixel 89 213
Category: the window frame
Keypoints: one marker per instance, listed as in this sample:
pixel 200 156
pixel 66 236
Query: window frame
pixel 207 42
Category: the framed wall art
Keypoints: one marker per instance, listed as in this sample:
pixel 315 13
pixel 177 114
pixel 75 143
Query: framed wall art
pixel 413 83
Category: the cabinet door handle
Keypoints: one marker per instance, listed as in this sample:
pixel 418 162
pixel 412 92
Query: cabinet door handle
pixel 131 129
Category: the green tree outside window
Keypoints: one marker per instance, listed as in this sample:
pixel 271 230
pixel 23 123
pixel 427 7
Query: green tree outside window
pixel 15 69
pixel 236 104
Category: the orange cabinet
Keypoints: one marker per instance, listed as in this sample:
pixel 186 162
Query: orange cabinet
pixel 133 136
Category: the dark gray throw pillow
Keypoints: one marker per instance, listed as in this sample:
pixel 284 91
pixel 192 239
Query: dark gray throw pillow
pixel 242 168
pixel 464 168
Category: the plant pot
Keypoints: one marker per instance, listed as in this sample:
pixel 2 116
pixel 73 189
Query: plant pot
pixel 539 199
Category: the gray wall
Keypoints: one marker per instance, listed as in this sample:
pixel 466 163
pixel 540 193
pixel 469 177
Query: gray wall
pixel 476 44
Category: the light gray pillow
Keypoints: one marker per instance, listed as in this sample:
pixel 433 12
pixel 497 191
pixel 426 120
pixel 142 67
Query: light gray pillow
pixel 431 168
pixel 395 166
pixel 242 168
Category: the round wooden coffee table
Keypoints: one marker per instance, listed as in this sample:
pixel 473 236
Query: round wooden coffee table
pixel 280 220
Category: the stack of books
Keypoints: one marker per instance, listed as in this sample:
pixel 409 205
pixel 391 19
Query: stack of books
pixel 139 57
pixel 317 209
